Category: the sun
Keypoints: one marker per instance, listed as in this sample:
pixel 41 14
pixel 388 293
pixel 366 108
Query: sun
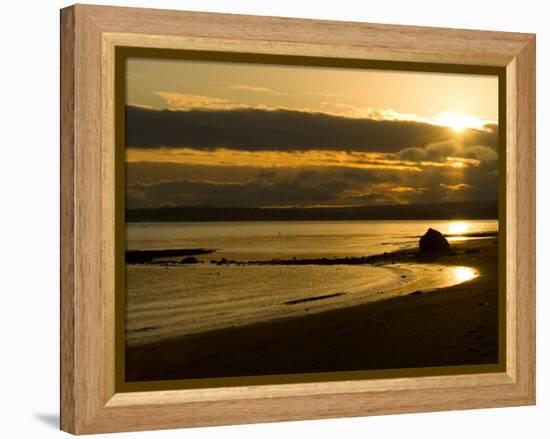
pixel 458 122
pixel 458 227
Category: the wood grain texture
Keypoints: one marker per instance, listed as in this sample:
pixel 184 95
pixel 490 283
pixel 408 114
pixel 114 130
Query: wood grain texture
pixel 525 220
pixel 89 402
pixel 90 318
pixel 343 39
pixel 107 215
pixel 67 254
pixel 511 212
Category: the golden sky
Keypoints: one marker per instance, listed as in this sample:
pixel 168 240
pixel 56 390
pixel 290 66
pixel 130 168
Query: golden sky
pixel 248 134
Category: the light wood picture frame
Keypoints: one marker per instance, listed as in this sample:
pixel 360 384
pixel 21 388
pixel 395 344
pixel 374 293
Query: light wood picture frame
pixel 91 399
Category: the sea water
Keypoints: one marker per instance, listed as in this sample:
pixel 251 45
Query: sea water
pixel 172 301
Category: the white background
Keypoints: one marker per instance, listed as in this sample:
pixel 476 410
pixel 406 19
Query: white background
pixel 29 218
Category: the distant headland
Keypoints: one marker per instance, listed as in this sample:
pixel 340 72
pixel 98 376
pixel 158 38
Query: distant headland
pixel 435 211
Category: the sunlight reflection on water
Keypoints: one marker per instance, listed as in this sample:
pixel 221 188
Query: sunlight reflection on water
pixel 463 274
pixel 458 227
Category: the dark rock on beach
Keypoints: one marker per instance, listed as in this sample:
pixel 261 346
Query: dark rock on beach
pixel 433 241
pixel 222 261
pixel 148 256
pixel 189 260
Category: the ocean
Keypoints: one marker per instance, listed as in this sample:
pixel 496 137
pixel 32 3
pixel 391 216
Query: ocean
pixel 173 301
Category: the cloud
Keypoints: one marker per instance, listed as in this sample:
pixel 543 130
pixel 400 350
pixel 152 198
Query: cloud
pixel 406 190
pixel 223 157
pixel 154 172
pixel 267 173
pixel 444 119
pixel 187 101
pixel 263 192
pixel 449 150
pixel 145 106
pixel 242 157
pixel 438 151
pixel 254 89
pixel 148 172
pixel 248 194
pixel 161 183
pixel 282 130
pixel 357 111
pixel 481 152
pixel 456 187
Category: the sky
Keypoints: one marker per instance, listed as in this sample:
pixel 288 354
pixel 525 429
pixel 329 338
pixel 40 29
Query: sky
pixel 221 134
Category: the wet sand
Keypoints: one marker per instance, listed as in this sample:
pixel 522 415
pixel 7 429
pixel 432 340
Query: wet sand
pixel 449 326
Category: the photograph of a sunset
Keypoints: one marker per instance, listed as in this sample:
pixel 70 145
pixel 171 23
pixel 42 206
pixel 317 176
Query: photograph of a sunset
pixel 286 219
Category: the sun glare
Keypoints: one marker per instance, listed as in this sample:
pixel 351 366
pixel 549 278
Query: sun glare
pixel 463 274
pixel 459 122
pixel 458 227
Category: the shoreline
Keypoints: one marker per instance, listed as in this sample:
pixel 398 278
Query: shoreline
pixel 147 257
pixel 456 325
pixel 372 283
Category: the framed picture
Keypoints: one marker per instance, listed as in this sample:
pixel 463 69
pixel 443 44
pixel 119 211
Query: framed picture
pixel 269 219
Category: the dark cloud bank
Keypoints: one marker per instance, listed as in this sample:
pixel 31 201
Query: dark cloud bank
pixel 249 194
pixel 329 186
pixel 283 130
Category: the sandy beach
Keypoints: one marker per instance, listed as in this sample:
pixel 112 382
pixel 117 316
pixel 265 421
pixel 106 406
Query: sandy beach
pixel 449 326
